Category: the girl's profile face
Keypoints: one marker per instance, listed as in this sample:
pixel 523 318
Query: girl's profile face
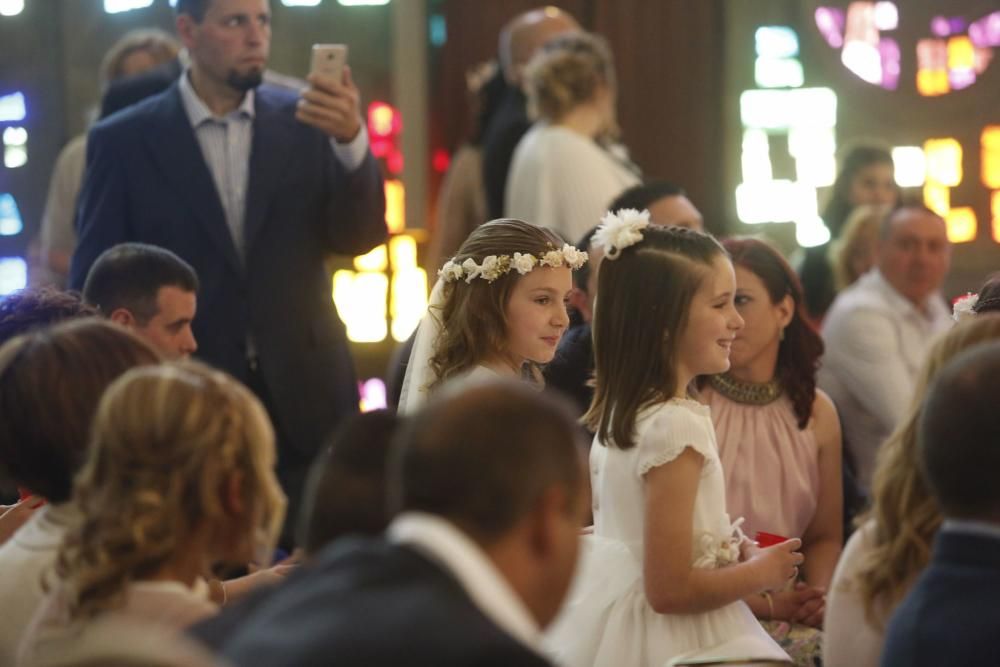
pixel 763 320
pixel 703 347
pixel 536 314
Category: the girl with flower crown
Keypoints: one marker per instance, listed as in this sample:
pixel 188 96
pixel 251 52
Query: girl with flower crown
pixel 665 571
pixel 498 308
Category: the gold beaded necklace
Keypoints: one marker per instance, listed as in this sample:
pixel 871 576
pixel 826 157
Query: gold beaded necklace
pixel 740 391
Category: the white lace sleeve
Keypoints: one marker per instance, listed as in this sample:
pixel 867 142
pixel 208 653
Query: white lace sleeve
pixel 672 430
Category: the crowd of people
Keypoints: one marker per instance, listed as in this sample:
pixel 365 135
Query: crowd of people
pixel 618 440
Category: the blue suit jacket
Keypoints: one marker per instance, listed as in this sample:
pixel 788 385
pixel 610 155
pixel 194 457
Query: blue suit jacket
pixel 952 614
pixel 364 603
pixel 146 180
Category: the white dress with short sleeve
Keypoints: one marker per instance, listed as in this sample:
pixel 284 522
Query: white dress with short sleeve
pixel 607 620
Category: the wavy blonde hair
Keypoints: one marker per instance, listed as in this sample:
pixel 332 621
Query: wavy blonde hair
pixel 159 45
pixel 166 441
pixel 567 72
pixel 473 317
pixel 860 235
pixel 905 515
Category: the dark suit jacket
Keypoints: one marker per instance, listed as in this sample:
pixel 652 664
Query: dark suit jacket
pixel 146 180
pixel 952 614
pixel 504 131
pixel 573 367
pixel 367 603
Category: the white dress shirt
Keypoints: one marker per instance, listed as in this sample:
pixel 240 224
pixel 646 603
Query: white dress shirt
pixel 876 341
pixel 440 541
pixel 225 143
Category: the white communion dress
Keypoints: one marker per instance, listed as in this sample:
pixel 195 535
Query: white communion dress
pixel 607 620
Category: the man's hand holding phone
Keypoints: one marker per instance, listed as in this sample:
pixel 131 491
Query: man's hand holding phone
pixel 331 104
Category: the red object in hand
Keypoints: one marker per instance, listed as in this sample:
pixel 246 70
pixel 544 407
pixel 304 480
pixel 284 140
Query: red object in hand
pixel 23 493
pixel 768 539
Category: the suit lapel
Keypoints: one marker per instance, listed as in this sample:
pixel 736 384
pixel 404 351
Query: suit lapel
pixel 269 154
pixel 178 154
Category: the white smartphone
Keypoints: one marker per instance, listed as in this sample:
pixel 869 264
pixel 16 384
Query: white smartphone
pixel 329 60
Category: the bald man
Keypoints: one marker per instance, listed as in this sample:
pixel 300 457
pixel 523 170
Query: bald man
pixel 519 40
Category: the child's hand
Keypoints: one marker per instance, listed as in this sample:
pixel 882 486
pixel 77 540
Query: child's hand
pixel 778 564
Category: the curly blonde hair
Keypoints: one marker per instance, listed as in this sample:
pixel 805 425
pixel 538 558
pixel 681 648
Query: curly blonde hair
pixel 166 439
pixel 567 72
pixel 856 245
pixel 473 316
pixel 906 517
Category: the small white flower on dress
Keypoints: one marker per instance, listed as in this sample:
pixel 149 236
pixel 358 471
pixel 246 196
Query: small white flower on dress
pixel 524 263
pixel 450 271
pixel 471 269
pixel 618 231
pixel 963 307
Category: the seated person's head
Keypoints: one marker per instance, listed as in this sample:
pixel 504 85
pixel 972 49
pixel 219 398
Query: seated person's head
pixel 31 309
pixel 667 204
pixel 149 290
pixel 853 254
pixel 50 383
pixel 179 476
pixel 959 435
pixel 345 492
pixel 989 295
pixel 503 464
pixel 914 253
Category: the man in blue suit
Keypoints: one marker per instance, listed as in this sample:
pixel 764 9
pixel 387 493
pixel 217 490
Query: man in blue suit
pixel 254 186
pixel 950 616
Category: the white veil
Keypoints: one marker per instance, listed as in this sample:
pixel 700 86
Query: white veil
pixel 418 370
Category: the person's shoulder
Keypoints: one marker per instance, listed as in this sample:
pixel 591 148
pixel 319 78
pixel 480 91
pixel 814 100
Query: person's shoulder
pixel 138 116
pixel 824 411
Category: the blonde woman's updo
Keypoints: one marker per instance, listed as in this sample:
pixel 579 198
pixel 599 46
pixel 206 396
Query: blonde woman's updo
pixel 567 72
pixel 166 441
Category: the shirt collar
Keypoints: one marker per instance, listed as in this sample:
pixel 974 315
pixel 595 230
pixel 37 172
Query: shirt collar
pixel 45 530
pixel 198 112
pixel 972 527
pixel 452 549
pixel 934 307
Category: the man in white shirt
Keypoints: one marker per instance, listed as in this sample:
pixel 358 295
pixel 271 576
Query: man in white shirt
pixel 489 482
pixel 878 330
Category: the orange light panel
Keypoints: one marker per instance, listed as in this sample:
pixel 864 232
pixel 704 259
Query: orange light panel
pixel 991 157
pixel 961 53
pixel 995 210
pixel 395 206
pixel 944 161
pixel 961 224
pixel 937 198
pixel 932 82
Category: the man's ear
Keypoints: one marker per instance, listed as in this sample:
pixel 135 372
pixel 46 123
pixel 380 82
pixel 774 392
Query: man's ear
pixel 124 317
pixel 550 511
pixel 580 300
pixel 186 26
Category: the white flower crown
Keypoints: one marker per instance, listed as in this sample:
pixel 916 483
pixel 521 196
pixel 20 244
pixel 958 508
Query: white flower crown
pixel 963 307
pixel 619 230
pixel 494 266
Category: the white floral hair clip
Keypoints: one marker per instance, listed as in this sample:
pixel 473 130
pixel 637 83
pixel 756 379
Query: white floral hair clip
pixel 494 266
pixel 618 231
pixel 963 307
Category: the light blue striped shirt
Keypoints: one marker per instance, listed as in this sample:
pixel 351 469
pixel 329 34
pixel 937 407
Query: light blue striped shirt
pixel 225 144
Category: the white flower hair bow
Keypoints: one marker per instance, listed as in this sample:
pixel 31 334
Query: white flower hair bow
pixel 618 231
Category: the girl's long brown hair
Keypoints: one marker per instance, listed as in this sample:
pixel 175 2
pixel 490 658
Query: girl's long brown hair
pixel 643 298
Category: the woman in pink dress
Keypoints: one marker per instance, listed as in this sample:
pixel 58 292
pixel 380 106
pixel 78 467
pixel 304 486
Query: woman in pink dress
pixel 779 438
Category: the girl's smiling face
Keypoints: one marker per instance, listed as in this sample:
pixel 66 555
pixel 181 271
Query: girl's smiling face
pixel 536 314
